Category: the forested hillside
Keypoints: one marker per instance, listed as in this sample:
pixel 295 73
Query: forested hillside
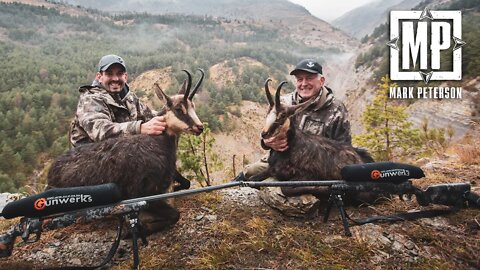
pixel 363 20
pixel 47 55
pixel 246 9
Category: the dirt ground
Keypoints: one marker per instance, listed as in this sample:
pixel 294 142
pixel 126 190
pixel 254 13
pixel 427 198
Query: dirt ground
pixel 234 229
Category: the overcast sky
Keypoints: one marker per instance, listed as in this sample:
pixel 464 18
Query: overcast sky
pixel 328 10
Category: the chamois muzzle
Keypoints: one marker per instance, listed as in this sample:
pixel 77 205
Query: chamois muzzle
pixel 197 129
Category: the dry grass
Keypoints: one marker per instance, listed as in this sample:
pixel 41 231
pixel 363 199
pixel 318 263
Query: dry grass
pixel 468 148
pixel 469 153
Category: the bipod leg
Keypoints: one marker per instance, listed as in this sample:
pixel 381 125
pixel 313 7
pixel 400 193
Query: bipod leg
pixel 111 253
pixel 136 230
pixel 341 208
pixel 331 200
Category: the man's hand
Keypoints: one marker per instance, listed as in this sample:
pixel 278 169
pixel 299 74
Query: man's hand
pixel 279 144
pixel 155 126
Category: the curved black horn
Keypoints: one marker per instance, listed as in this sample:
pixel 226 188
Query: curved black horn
pixel 267 92
pixel 277 94
pixel 189 84
pixel 197 85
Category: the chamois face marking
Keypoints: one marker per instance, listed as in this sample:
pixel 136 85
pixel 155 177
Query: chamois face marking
pixel 182 117
pixel 276 123
pixel 278 117
pixel 271 118
pixel 180 112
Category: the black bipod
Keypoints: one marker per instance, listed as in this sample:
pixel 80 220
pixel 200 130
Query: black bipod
pixel 336 198
pixel 136 230
pixel 111 252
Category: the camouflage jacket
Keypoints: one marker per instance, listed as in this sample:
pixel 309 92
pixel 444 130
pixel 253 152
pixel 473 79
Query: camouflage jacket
pixel 101 115
pixel 326 117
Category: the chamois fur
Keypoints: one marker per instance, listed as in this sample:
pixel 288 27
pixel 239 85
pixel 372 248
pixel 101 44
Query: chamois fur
pixel 140 165
pixel 308 157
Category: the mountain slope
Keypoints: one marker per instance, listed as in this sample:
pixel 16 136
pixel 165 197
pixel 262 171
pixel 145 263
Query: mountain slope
pixel 248 9
pixel 288 18
pixel 49 49
pixel 363 20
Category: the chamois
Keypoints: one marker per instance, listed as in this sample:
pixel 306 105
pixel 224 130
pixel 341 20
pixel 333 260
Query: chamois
pixel 140 165
pixel 308 157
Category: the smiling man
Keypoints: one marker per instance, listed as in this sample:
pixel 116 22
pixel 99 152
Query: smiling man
pixel 108 109
pixel 326 117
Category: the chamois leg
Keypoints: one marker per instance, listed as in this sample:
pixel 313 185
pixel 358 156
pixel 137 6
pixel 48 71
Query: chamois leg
pixel 183 183
pixel 364 155
pixel 158 216
pixel 260 176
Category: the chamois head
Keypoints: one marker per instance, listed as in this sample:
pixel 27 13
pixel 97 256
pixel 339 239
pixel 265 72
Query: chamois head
pixel 278 116
pixel 180 110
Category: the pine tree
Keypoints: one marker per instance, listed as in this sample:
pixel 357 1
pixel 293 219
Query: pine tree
pixel 389 133
pixel 196 156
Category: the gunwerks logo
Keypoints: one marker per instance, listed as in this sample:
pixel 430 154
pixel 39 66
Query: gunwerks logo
pixel 420 41
pixel 377 175
pixel 42 203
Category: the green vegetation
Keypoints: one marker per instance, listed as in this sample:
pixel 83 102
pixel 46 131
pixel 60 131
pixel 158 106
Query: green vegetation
pixel 47 55
pixel 197 158
pixel 390 134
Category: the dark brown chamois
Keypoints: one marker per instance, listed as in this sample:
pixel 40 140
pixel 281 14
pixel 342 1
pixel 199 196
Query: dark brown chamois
pixel 140 165
pixel 308 157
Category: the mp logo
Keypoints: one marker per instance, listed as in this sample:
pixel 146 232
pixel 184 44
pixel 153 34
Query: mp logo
pixel 421 40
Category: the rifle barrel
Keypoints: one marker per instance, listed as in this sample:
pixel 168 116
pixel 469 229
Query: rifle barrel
pixel 181 193
pixel 233 184
pixel 292 183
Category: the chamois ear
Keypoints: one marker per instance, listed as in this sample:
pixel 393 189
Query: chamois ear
pixel 183 88
pixel 162 96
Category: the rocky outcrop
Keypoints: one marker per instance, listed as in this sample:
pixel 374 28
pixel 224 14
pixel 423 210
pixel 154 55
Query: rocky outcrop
pixel 457 113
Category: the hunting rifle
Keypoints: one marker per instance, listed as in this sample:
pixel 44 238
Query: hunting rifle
pixel 58 208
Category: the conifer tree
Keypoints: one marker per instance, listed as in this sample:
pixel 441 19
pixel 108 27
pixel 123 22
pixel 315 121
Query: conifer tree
pixel 389 133
pixel 196 156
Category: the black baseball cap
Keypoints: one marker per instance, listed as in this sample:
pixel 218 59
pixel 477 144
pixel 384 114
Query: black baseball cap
pixel 308 65
pixel 109 60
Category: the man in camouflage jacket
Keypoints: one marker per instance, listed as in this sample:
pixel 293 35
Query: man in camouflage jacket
pixel 107 109
pixel 326 117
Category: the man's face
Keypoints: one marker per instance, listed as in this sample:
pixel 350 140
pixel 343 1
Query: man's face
pixel 308 84
pixel 113 79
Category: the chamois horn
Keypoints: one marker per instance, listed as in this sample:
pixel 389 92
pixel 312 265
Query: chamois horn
pixel 189 85
pixel 277 95
pixel 197 85
pixel 267 92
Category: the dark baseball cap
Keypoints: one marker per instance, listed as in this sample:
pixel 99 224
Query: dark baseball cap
pixel 109 60
pixel 308 65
